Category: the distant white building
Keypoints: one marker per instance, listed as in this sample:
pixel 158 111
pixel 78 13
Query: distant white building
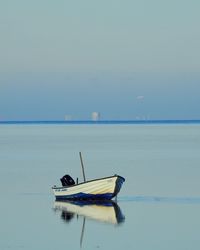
pixel 95 116
pixel 68 118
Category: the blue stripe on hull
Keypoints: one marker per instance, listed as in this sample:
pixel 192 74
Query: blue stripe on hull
pixel 83 196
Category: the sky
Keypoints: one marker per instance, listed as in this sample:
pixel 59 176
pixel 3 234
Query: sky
pixel 125 59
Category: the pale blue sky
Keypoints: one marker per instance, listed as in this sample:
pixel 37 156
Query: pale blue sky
pixel 74 57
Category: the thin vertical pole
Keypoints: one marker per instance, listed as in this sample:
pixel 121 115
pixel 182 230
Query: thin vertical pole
pixel 82 232
pixel 82 167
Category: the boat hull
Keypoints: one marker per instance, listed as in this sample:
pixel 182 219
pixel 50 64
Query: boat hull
pixel 99 189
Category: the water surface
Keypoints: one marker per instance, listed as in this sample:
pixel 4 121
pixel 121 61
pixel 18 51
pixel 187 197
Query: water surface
pixel 159 201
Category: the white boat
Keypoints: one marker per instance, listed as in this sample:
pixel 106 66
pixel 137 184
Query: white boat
pixel 102 211
pixel 98 189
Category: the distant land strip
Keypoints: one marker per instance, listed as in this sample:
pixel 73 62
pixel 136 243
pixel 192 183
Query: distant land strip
pixel 103 122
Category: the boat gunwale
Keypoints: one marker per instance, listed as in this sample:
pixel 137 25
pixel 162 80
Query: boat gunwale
pixel 108 177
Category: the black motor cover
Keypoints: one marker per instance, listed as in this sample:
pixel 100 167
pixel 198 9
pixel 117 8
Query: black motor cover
pixel 67 180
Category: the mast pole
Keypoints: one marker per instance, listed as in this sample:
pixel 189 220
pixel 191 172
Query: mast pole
pixel 83 171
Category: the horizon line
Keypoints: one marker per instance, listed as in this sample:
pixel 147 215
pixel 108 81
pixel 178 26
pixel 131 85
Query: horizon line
pixel 154 121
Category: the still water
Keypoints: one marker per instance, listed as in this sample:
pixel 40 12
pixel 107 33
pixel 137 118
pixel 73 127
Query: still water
pixel 157 208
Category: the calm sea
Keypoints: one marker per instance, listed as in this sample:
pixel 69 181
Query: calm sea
pixel 157 208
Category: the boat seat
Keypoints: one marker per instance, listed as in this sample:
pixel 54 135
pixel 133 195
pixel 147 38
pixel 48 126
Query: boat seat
pixel 67 180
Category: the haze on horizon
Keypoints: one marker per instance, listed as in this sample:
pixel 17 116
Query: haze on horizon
pixel 124 59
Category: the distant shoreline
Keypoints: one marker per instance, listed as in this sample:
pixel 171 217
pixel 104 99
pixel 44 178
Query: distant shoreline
pixel 102 122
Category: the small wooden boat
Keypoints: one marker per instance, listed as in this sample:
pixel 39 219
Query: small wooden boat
pixel 98 189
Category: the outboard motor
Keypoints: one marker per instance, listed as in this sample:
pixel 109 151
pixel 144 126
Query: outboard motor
pixel 67 180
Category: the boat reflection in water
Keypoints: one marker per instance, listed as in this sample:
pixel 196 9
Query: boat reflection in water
pixel 102 211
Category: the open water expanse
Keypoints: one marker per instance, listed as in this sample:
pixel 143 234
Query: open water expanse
pixel 157 208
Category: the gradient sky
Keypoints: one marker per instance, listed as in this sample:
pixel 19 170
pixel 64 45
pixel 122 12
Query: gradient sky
pixel 126 59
